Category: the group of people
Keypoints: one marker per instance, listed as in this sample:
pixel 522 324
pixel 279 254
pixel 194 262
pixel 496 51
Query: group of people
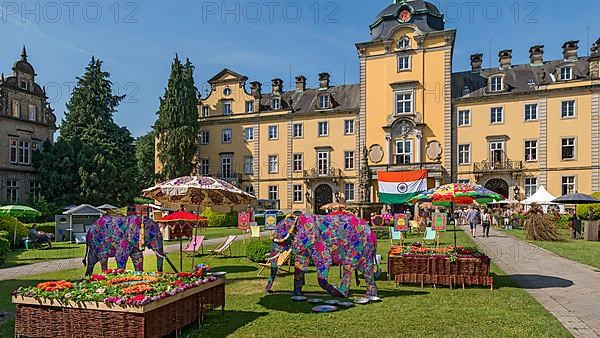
pixel 485 217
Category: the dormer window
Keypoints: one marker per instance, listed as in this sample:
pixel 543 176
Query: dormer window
pixel 276 104
pixel 466 90
pixel 227 91
pixel 24 85
pixel 226 107
pixel 324 102
pixel 249 106
pixel 404 43
pixel 205 111
pixel 496 84
pixel 566 73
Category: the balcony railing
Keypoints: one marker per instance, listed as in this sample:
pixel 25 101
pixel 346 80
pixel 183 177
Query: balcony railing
pixel 326 173
pixel 506 166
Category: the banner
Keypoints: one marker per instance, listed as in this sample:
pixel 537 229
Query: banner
pixel 244 218
pixel 401 222
pixel 270 221
pixel 399 187
pixel 439 222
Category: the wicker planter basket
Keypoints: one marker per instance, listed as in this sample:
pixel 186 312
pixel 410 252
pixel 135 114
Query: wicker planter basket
pixel 90 320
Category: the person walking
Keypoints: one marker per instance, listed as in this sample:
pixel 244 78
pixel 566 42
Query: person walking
pixel 472 219
pixel 486 223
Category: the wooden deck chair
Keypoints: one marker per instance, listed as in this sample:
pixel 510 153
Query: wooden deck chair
pixel 255 231
pixel 395 236
pixel 431 237
pixel 282 259
pixel 220 250
pixel 414 226
pixel 193 245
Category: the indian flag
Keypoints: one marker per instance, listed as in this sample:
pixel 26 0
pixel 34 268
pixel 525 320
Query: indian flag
pixel 399 187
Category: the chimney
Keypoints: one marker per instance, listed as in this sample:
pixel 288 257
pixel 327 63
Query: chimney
pixel 255 89
pixel 570 50
pixel 476 62
pixel 505 57
pixel 324 80
pixel 277 86
pixel 300 83
pixel 595 60
pixel 536 55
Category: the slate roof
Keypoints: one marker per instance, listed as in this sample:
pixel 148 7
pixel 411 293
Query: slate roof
pixel 426 17
pixel 343 98
pixel 519 78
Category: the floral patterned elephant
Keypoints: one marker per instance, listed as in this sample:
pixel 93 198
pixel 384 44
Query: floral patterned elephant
pixel 341 239
pixel 119 237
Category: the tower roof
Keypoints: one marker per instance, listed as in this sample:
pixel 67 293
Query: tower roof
pixel 420 13
pixel 23 65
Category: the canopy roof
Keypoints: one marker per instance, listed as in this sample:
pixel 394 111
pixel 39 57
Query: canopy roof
pixel 107 207
pixel 84 210
pixel 541 196
pixel 182 216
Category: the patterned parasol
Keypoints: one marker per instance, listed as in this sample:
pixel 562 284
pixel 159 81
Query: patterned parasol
pixel 459 194
pixel 333 206
pixel 200 192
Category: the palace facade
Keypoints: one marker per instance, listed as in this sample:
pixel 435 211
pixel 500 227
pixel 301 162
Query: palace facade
pixel 511 128
pixel 26 122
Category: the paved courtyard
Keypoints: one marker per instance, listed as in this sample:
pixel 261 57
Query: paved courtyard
pixel 567 289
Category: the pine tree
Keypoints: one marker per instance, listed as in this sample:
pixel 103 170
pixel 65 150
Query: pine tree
pixel 144 156
pixel 177 124
pixel 104 167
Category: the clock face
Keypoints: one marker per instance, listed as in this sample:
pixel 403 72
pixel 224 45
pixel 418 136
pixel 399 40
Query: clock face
pixel 405 15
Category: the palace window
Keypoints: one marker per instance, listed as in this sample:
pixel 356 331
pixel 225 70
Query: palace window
pixel 497 152
pixel 32 113
pixel 273 164
pixel 249 134
pixel 531 150
pixel 226 107
pixel 204 137
pixel 16 108
pixel 403 62
pixel 13 148
pixel 298 162
pixel 273 192
pixel 530 186
pixel 227 136
pixel 568 148
pixel 323 162
pixel 226 166
pixel 35 191
pixel 404 43
pixel 324 102
pixel 496 84
pixel 24 85
pixel 12 191
pixel 24 152
pixel 567 109
pixel 297 193
pixel 349 160
pixel 249 106
pixel 497 115
pixel 566 73
pixel 404 152
pixel 348 127
pixel 204 167
pixel 531 112
pixel 205 111
pixel 273 132
pixel 464 154
pixel 298 130
pixel 463 181
pixel 466 90
pixel 323 128
pixel 349 191
pixel 404 103
pixel 568 185
pixel 248 165
pixel 464 118
pixel 276 104
pixel 249 189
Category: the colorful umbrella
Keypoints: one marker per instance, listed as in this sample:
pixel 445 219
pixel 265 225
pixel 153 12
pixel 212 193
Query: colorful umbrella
pixel 182 216
pixel 458 194
pixel 200 192
pixel 19 211
pixel 182 224
pixel 333 206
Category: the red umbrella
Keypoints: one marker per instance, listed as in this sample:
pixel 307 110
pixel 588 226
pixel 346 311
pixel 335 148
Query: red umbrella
pixel 182 224
pixel 182 216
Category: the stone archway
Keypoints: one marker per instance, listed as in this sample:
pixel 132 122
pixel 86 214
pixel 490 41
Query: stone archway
pixel 498 185
pixel 323 195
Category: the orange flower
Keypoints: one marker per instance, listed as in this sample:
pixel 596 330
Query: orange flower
pixel 55 286
pixel 119 280
pixel 137 289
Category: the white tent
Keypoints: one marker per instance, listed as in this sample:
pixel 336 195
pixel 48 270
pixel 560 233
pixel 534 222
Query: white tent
pixel 541 197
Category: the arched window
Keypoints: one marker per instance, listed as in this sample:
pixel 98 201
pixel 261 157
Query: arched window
pixel 404 43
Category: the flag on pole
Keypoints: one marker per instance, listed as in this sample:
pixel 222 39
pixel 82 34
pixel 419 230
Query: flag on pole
pixel 399 187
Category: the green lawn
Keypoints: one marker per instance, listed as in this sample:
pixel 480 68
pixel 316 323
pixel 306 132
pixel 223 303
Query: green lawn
pixel 581 251
pixel 505 311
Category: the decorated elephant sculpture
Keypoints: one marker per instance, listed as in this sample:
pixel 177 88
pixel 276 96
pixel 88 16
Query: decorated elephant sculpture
pixel 341 239
pixel 119 237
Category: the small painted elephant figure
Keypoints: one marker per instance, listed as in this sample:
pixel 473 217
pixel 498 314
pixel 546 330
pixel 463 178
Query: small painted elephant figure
pixel 119 237
pixel 341 239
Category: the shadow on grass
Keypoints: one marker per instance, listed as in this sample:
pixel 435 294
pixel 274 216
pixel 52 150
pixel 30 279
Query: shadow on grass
pixel 538 281
pixel 234 268
pixel 220 324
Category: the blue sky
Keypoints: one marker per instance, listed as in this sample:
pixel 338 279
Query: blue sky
pixel 260 39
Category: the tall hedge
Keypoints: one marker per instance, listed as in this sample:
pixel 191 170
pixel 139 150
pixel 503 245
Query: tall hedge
pixel 219 219
pixel 8 223
pixel 589 211
pixel 4 248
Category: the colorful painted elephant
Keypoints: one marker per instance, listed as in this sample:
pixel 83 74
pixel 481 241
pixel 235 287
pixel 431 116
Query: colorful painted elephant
pixel 119 237
pixel 341 239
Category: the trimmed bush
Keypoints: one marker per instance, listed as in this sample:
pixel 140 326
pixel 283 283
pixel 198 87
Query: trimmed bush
pixel 257 251
pixel 8 223
pixel 219 219
pixel 49 228
pixel 589 211
pixel 4 249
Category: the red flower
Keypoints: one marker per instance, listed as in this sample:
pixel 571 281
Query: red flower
pixel 95 278
pixel 178 283
pixel 138 298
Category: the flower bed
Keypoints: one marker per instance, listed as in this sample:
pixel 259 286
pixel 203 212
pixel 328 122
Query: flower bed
pixel 439 266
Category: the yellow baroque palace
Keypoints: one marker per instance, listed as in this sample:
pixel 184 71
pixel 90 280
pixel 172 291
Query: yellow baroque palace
pixel 511 128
